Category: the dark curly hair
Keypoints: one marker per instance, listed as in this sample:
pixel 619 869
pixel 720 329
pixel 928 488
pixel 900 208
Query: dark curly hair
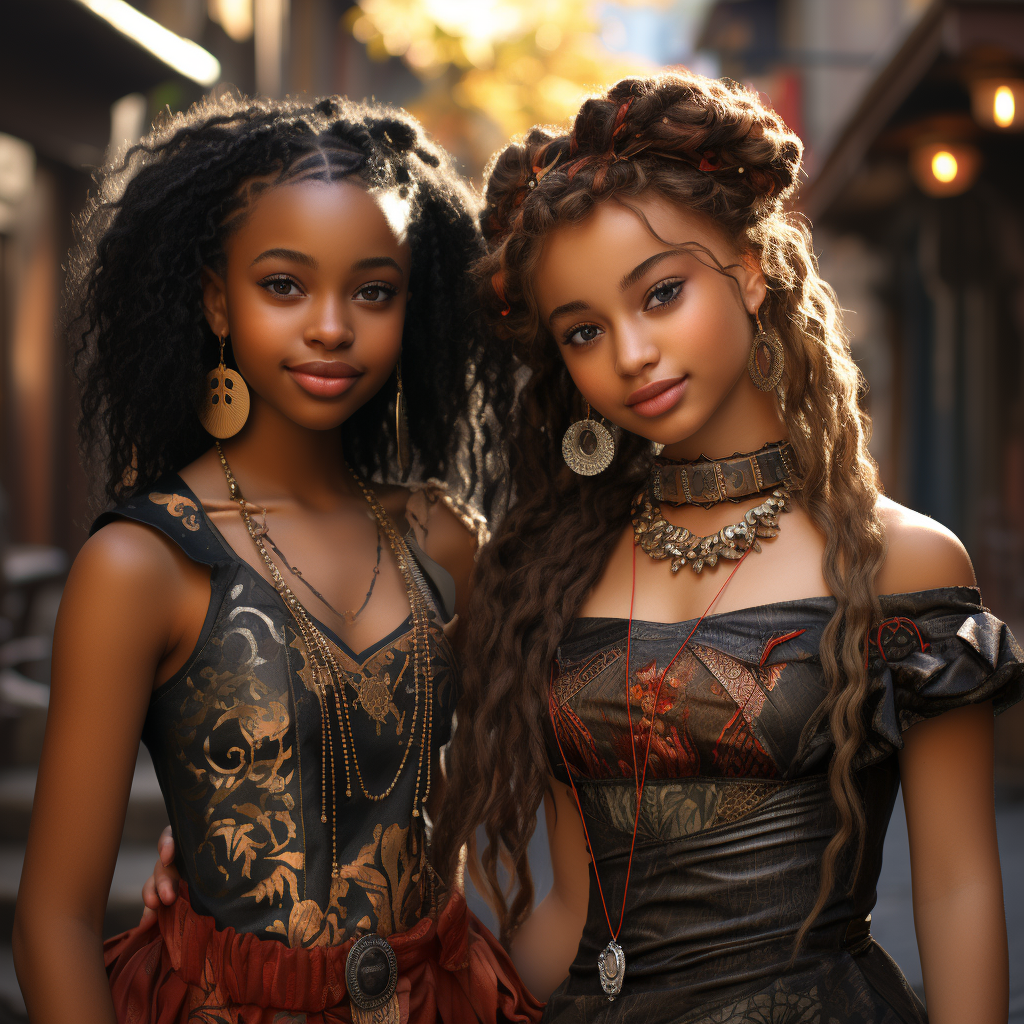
pixel 160 215
pixel 714 148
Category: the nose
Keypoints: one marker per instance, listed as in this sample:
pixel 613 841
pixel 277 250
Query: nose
pixel 635 350
pixel 330 324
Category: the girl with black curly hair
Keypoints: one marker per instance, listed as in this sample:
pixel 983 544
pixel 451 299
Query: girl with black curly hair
pixel 719 759
pixel 292 280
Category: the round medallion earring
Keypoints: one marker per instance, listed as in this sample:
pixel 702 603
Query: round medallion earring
pixel 224 403
pixel 767 359
pixel 588 446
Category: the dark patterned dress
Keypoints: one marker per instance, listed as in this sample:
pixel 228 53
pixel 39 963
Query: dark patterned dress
pixel 736 810
pixel 262 928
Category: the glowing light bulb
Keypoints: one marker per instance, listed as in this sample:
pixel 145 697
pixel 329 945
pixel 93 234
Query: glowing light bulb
pixel 944 166
pixel 1004 108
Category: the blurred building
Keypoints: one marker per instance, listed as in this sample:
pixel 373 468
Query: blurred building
pixel 914 119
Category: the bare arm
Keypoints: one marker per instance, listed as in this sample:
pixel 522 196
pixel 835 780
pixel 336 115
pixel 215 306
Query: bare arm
pixel 946 773
pixel 545 946
pixel 115 626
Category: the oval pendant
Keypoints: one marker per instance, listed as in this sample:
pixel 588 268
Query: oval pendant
pixel 611 967
pixel 224 405
pixel 588 447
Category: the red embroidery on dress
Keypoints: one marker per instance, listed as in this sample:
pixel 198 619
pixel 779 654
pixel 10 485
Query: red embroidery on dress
pixel 775 641
pixel 889 629
pixel 737 754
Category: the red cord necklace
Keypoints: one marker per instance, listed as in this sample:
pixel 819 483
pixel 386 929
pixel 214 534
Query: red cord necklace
pixel 611 964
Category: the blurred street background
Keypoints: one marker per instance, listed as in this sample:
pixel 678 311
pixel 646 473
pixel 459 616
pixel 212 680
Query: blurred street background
pixel 913 117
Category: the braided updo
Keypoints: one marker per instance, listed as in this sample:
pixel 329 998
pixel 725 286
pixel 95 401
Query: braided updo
pixel 162 214
pixel 715 149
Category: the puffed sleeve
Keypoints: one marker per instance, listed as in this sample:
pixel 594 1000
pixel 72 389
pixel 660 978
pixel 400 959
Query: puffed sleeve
pixel 932 652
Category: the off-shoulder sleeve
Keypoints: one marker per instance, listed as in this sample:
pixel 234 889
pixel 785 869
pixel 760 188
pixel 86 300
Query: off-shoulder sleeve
pixel 932 652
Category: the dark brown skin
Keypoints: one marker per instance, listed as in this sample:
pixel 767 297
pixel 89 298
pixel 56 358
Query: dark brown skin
pixel 134 605
pixel 682 318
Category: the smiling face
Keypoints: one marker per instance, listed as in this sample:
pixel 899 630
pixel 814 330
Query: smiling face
pixel 656 337
pixel 313 297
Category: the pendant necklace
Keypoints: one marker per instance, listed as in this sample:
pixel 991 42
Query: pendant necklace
pixel 611 963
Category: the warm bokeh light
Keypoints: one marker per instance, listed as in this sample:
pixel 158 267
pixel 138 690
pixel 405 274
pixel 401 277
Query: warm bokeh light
pixel 995 102
pixel 1003 107
pixel 944 166
pixel 186 57
pixel 493 68
pixel 234 16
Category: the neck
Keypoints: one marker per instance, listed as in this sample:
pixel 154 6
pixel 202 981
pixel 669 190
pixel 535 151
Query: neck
pixel 274 457
pixel 746 420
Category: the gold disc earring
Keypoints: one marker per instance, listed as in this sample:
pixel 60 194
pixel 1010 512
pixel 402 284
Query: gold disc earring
pixel 224 403
pixel 767 359
pixel 401 423
pixel 588 446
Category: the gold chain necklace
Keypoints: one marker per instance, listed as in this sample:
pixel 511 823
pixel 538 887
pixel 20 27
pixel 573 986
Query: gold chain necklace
pixel 328 676
pixel 660 539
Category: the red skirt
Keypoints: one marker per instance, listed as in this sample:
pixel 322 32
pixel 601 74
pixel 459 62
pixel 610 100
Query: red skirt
pixel 184 969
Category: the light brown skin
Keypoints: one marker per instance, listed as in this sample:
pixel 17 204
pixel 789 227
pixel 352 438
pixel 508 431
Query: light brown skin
pixel 134 604
pixel 650 331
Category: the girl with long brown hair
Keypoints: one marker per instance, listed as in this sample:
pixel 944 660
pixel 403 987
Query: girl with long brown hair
pixel 701 634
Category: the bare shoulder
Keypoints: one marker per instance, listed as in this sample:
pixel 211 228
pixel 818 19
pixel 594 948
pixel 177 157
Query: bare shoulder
pixel 127 553
pixel 921 553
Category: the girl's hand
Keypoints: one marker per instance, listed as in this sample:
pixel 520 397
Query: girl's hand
pixel 162 886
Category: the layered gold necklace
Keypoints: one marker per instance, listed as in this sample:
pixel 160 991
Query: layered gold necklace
pixel 330 680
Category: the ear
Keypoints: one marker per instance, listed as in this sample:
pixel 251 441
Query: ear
pixel 215 302
pixel 752 283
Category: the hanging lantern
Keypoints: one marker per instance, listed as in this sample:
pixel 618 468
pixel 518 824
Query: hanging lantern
pixel 998 103
pixel 945 168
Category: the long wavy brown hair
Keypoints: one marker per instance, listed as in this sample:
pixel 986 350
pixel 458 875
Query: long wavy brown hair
pixel 714 148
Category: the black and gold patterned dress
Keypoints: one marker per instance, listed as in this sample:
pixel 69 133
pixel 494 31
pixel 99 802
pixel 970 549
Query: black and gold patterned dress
pixel 736 811
pixel 237 742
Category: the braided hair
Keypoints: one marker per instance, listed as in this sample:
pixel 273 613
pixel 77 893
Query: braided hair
pixel 711 147
pixel 162 214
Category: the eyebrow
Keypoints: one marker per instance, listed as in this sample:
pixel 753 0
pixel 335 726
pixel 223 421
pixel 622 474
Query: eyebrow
pixel 287 254
pixel 641 268
pixel 376 261
pixel 566 308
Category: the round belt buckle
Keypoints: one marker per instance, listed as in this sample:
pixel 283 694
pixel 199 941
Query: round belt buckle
pixel 371 972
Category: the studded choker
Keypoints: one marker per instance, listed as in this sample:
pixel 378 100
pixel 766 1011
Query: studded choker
pixel 708 482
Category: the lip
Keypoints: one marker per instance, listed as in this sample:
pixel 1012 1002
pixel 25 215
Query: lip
pixel 324 378
pixel 658 397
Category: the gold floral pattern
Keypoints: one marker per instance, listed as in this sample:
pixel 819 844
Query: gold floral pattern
pixel 176 506
pixel 237 740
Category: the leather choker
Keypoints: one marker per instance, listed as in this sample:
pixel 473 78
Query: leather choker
pixel 708 482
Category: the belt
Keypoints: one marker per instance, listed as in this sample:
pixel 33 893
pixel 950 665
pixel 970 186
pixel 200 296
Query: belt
pixel 371 975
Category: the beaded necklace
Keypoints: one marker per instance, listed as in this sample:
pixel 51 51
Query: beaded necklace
pixel 330 680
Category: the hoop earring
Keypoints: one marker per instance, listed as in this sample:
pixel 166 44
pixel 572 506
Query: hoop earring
pixel 401 423
pixel 588 446
pixel 224 403
pixel 767 359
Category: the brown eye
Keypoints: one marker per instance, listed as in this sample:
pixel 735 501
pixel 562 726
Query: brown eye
pixel 281 287
pixel 376 293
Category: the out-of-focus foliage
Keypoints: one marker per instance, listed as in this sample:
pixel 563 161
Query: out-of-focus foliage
pixel 493 68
